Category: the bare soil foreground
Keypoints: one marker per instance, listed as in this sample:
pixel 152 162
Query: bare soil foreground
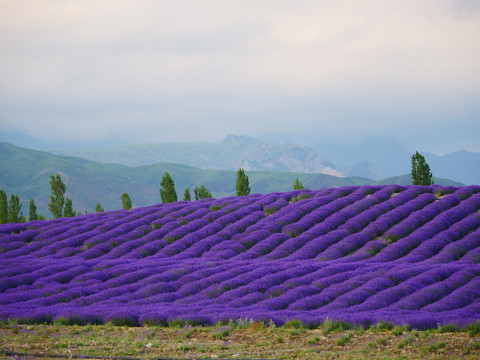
pixel 253 342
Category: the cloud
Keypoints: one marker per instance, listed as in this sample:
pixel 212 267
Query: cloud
pixel 215 66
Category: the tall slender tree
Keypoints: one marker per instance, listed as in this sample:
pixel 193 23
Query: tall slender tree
pixel 14 209
pixel 68 212
pixel 32 214
pixel 242 186
pixel 167 189
pixel 186 194
pixel 126 201
pixel 201 192
pixel 3 207
pixel 421 174
pixel 56 199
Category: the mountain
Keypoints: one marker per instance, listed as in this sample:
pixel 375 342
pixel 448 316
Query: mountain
pixel 27 173
pixel 233 153
pixel 22 139
pixel 378 157
pixel 462 165
pixel 385 156
pixel 372 158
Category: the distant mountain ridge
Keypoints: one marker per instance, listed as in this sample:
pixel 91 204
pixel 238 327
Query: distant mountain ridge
pixel 232 153
pixel 27 172
pixel 373 158
pixel 377 158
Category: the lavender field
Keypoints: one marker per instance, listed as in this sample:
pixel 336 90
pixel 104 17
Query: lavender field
pixel 401 254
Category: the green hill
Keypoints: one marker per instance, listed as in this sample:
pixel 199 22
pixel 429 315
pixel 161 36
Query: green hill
pixel 27 173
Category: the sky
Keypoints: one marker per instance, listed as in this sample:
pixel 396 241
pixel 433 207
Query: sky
pixel 151 71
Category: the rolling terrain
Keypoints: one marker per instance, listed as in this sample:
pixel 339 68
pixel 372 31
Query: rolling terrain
pixel 27 172
pixel 363 254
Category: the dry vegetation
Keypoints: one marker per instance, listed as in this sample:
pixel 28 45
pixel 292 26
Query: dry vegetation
pixel 229 342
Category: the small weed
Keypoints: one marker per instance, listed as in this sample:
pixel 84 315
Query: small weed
pixel 225 332
pixel 382 341
pixel 423 335
pixel 313 341
pixel 270 210
pixel 381 326
pixel 257 326
pixel 272 325
pixel 405 342
pixel 331 326
pixel 296 324
pixel 294 332
pixel 219 335
pixel 473 329
pixel 188 331
pixel 399 330
pixel 449 328
pixel 241 323
pixel 467 350
pixel 185 347
pixel 437 346
pixel 279 339
pixel 342 340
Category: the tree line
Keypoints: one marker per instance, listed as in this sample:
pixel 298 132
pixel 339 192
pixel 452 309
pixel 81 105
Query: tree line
pixel 61 206
pixel 168 194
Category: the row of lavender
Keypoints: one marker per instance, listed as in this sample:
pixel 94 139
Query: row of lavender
pixel 337 253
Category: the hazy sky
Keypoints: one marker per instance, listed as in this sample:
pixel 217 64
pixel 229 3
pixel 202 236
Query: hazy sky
pixel 183 70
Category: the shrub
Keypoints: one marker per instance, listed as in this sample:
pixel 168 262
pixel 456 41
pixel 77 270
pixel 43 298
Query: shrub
pixel 342 340
pixel 295 324
pixel 122 319
pixel 448 328
pixel 399 330
pixel 473 329
pixel 406 341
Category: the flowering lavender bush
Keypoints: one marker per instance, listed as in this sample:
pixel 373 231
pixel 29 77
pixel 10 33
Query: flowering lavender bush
pixel 402 254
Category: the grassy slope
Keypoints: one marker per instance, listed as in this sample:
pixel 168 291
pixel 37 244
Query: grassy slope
pixel 253 342
pixel 27 173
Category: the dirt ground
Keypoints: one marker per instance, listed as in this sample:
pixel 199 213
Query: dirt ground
pixel 254 342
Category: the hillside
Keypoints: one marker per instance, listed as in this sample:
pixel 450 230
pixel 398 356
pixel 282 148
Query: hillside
pixel 402 254
pixel 233 153
pixel 27 173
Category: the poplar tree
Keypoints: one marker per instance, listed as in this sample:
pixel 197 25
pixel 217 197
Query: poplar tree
pixel 201 192
pixel 421 174
pixel 167 189
pixel 68 212
pixel 186 194
pixel 32 214
pixel 3 207
pixel 126 201
pixel 242 186
pixel 56 199
pixel 14 207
